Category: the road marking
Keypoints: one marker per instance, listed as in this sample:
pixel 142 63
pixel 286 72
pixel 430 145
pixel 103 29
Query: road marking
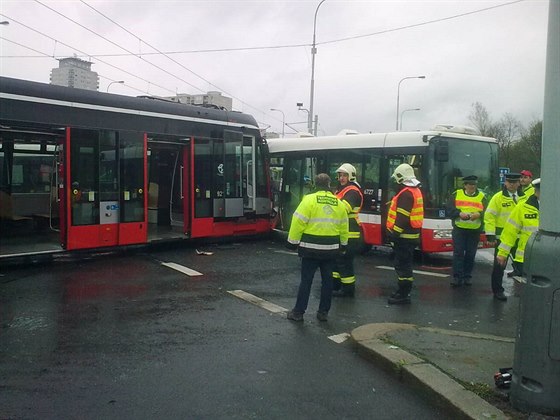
pixel 339 338
pixel 182 269
pixel 248 297
pixel 286 252
pixel 426 273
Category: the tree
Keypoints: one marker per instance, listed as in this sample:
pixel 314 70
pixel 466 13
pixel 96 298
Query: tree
pixel 526 153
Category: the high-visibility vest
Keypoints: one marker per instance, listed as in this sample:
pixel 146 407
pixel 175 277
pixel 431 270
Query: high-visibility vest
pixel 415 216
pixel 499 208
pixel 468 204
pixel 353 219
pixel 319 225
pixel 523 221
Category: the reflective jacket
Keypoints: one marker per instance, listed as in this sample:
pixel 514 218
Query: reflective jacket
pixel 523 221
pixel 319 226
pixel 461 202
pixel 406 214
pixel 353 199
pixel 499 208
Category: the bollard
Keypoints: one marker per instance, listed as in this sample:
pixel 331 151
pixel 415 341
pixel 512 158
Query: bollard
pixel 536 365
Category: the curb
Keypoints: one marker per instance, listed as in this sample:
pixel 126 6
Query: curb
pixel 441 388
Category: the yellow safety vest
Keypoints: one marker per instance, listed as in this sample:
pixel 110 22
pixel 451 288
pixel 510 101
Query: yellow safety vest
pixel 523 221
pixel 468 204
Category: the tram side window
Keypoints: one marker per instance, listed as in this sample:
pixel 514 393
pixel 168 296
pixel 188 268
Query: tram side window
pixel 131 156
pixel 84 170
pixel 203 178
pixel 371 186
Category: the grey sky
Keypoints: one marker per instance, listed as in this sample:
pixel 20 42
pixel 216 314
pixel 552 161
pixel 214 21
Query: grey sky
pixel 496 57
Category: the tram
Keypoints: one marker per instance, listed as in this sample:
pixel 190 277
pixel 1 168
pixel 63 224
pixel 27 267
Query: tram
pixel 440 158
pixel 82 169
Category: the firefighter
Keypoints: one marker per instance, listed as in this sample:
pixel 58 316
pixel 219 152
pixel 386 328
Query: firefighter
pixel 319 231
pixel 498 211
pixel 349 192
pixel 465 208
pixel 404 223
pixel 523 221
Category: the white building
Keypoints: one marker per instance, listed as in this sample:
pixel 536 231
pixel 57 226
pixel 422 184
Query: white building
pixel 76 73
pixel 204 99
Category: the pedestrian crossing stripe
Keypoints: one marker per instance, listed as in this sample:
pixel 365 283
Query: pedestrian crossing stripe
pixel 182 269
pixel 339 338
pixel 426 273
pixel 248 297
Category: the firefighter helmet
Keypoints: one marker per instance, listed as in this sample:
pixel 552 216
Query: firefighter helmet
pixel 346 168
pixel 403 172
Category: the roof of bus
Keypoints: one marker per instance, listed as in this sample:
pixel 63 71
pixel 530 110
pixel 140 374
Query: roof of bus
pixel 361 141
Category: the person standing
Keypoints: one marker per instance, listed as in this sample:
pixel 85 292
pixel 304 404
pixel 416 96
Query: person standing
pixel 319 231
pixel 465 208
pixel 498 211
pixel 404 223
pixel 523 221
pixel 349 192
pixel 526 180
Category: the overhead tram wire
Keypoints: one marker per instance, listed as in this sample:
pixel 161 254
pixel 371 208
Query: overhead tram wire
pixel 117 45
pixel 333 41
pixel 168 57
pixel 83 52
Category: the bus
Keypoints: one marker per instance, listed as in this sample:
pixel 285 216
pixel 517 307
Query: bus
pixel 440 158
pixel 83 169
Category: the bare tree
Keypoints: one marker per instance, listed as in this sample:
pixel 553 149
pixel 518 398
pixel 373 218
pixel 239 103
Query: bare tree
pixel 480 118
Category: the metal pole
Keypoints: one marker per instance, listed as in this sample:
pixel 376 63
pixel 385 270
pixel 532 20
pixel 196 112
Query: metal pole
pixel 313 52
pixel 398 96
pixel 402 113
pixel 283 119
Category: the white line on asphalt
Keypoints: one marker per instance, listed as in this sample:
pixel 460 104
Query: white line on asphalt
pixel 339 338
pixel 182 269
pixel 426 273
pixel 248 297
pixel 286 252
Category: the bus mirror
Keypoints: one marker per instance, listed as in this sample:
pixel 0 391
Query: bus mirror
pixel 442 151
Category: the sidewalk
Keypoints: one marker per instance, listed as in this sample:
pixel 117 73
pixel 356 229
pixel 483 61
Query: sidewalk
pixel 443 364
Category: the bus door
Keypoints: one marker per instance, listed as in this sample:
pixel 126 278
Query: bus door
pixel 254 182
pixel 106 187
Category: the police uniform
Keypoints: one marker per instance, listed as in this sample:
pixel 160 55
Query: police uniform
pixel 498 211
pixel 466 230
pixel 319 230
pixel 523 221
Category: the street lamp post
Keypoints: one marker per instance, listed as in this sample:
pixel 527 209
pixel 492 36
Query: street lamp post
pixel 398 95
pixel 312 91
pixel 116 81
pixel 402 113
pixel 283 119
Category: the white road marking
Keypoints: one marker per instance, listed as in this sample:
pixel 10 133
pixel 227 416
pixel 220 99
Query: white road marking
pixel 286 252
pixel 426 273
pixel 182 269
pixel 339 338
pixel 248 297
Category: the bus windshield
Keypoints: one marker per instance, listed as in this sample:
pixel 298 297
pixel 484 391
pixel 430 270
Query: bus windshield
pixel 454 158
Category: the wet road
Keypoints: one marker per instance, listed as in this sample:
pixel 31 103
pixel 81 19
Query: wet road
pixel 130 337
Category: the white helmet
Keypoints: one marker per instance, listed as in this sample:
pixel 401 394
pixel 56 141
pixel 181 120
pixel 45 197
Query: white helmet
pixel 403 172
pixel 348 169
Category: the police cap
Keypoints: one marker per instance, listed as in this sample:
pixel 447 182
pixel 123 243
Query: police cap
pixel 471 179
pixel 513 176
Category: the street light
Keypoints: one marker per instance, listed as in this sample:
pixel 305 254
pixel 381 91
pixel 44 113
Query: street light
pixel 283 119
pixel 116 81
pixel 313 52
pixel 406 110
pixel 4 22
pixel 398 95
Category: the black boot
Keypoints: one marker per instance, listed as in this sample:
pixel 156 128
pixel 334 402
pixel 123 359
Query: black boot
pixel 347 290
pixel 336 284
pixel 402 295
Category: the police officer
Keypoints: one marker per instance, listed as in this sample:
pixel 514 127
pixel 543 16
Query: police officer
pixel 465 208
pixel 404 223
pixel 498 211
pixel 349 192
pixel 526 180
pixel 319 231
pixel 523 221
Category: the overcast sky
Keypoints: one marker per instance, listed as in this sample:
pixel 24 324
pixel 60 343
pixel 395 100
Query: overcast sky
pixel 492 55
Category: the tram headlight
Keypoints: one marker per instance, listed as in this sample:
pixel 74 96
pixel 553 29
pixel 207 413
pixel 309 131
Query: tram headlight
pixel 442 233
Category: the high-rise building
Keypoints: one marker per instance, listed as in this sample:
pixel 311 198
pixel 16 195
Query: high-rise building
pixel 212 98
pixel 76 73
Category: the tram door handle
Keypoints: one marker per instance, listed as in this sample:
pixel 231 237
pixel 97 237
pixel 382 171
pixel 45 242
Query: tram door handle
pixel 181 181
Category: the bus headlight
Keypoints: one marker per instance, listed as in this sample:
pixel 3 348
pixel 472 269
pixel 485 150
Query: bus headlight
pixel 442 233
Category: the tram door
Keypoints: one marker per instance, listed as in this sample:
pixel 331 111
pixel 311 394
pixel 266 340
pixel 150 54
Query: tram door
pixel 106 188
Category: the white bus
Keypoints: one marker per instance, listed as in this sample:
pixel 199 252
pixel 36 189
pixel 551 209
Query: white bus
pixel 440 158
